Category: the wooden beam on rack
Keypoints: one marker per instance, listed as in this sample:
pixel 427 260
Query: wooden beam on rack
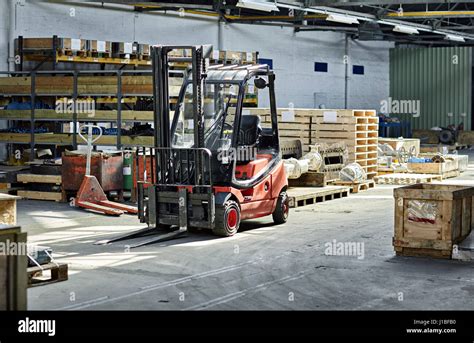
pixel 66 139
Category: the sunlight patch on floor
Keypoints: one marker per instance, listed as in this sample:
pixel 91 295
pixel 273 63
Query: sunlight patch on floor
pixel 79 234
pixel 105 260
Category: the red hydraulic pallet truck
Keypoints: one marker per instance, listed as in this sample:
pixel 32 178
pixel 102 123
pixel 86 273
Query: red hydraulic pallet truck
pixel 212 166
pixel 91 196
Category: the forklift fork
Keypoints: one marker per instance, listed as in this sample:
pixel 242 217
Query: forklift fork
pixel 153 234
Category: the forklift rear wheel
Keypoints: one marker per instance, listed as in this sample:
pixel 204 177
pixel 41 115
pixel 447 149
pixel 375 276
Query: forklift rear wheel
pixel 280 215
pixel 227 219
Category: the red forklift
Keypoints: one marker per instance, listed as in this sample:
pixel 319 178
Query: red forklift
pixel 212 165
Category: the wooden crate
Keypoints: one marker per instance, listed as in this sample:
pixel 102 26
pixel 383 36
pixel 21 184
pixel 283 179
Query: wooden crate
pixel 13 280
pixel 460 161
pixel 430 218
pixel 8 209
pixel 310 179
pixel 433 168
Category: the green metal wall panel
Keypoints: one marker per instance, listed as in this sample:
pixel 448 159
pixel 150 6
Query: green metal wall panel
pixel 439 78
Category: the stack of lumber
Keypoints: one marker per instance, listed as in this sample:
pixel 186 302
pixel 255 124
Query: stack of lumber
pixel 41 187
pixel 358 129
pixel 86 85
pixel 43 182
pixel 8 174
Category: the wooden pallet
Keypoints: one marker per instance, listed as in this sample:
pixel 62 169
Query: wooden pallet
pixel 36 277
pixel 356 186
pixel 97 54
pixel 37 178
pixel 310 179
pixel 41 179
pixel 406 178
pixel 302 196
pixel 450 174
pixel 68 52
pixel 36 195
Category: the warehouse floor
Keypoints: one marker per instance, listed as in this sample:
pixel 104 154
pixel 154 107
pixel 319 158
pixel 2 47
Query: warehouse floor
pixel 264 267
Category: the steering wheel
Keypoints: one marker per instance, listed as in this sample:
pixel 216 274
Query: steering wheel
pixel 226 128
pixel 188 169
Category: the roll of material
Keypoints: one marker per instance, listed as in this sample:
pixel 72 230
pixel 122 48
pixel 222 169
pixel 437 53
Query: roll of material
pixel 295 168
pixel 352 172
pixel 314 159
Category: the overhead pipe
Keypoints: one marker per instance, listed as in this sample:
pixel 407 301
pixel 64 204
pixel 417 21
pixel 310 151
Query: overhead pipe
pixel 346 72
pixel 430 14
pixel 11 34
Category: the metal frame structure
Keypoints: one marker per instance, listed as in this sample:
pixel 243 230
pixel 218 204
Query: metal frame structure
pixel 435 19
pixel 74 96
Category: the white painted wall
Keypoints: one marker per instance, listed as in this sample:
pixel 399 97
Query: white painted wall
pixel 293 54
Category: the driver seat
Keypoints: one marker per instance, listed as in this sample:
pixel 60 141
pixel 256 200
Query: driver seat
pixel 249 134
pixel 250 130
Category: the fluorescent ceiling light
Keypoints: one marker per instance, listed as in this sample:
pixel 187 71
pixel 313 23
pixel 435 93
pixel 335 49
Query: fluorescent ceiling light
pixel 454 38
pixel 342 19
pixel 405 29
pixel 266 6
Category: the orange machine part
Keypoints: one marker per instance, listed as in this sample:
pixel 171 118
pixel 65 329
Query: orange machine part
pixel 252 168
pixel 91 196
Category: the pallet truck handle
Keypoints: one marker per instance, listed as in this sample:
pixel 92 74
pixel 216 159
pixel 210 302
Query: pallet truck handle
pixel 89 142
pixel 89 134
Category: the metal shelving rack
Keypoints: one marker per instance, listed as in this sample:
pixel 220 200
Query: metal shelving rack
pixel 41 56
pixel 75 95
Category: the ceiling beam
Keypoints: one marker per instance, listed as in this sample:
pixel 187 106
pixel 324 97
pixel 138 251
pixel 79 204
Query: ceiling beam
pixel 372 2
pixel 361 16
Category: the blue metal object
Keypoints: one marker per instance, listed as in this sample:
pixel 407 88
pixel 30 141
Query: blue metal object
pixel 395 129
pixel 419 160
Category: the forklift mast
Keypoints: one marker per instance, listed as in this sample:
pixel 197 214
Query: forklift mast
pixel 161 101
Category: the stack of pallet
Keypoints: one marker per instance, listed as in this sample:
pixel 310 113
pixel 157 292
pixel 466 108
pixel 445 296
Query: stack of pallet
pixel 42 183
pixel 358 129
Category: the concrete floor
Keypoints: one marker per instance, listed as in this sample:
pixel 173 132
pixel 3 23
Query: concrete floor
pixel 264 267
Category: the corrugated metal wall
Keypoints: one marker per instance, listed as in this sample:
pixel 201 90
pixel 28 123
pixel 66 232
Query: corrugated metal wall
pixel 439 78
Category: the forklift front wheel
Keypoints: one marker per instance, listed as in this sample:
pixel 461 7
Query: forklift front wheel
pixel 280 215
pixel 227 219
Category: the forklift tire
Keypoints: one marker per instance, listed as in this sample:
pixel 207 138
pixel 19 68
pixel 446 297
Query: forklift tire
pixel 280 215
pixel 227 220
